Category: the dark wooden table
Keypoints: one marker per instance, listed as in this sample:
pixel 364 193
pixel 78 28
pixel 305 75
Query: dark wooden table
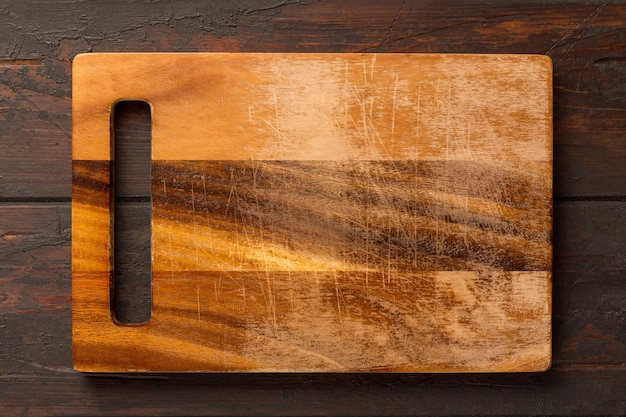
pixel 587 42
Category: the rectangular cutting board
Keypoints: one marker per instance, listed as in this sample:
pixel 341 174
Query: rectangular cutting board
pixel 323 212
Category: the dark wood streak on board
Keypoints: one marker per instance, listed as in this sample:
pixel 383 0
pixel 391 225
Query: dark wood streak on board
pixel 399 216
pixel 91 183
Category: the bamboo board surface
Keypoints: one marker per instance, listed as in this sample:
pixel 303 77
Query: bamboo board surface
pixel 323 212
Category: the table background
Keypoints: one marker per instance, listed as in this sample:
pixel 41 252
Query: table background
pixel 587 42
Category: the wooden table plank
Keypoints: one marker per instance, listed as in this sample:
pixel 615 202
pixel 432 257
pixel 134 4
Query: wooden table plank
pixel 573 391
pixel 35 140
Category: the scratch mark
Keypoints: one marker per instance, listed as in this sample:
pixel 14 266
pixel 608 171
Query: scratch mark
pixel 195 245
pixel 367 241
pixel 243 289
pixel 582 275
pixel 314 354
pixel 448 121
pixel 393 110
pixel 363 117
pixel 345 97
pixel 195 231
pixel 171 256
pixel 591 16
pixel 272 7
pixel 198 300
pixel 368 135
pixel 364 73
pixel 337 296
pixel 388 252
pixel 427 32
pixel 206 211
pixel 419 114
pixel 46 367
pixel 169 235
pixel 291 297
pixel 469 135
pixel 276 130
pixel 416 174
pixel 271 295
pixel 217 286
pixel 395 19
pixel 232 189
pixel 557 43
pixel 275 105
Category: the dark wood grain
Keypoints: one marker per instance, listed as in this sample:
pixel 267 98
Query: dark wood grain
pixel 356 213
pixel 586 41
pixel 575 391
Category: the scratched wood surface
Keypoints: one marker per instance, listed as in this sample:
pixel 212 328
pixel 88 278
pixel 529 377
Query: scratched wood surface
pixel 323 212
pixel 586 42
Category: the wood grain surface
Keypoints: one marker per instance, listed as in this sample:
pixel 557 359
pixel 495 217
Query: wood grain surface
pixel 38 41
pixel 323 212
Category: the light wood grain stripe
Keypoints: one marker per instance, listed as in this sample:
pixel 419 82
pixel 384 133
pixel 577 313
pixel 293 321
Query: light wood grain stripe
pixel 321 106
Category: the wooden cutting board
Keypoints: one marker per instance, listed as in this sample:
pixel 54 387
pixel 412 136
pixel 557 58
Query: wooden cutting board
pixel 323 212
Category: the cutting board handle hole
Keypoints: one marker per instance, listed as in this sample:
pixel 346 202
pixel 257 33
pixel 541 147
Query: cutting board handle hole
pixel 131 283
